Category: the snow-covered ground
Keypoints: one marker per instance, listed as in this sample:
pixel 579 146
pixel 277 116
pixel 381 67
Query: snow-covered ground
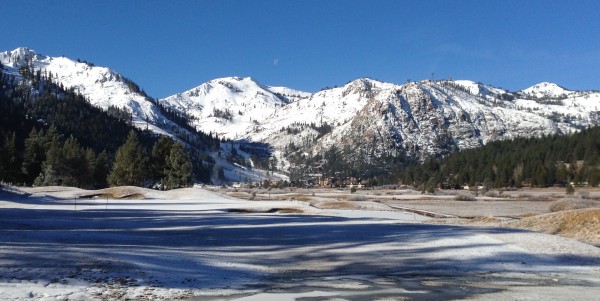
pixel 200 245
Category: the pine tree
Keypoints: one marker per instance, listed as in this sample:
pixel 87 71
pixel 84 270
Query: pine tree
pixel 101 170
pixel 160 155
pixel 47 177
pixel 34 155
pixel 128 168
pixel 73 166
pixel 90 161
pixel 179 168
pixel 53 146
pixel 9 163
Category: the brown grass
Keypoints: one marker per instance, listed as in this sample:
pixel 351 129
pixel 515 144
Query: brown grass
pixel 464 196
pixel 301 197
pixel 573 204
pixel 583 224
pixel 239 195
pixel 485 219
pixel 530 214
pixel 336 205
pixel 285 210
pixel 536 197
pixel 123 193
pixel 357 198
pixel 271 210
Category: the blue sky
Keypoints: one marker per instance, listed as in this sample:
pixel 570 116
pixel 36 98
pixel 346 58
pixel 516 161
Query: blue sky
pixel 171 46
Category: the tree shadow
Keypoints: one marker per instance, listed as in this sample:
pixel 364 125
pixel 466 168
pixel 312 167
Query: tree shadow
pixel 210 249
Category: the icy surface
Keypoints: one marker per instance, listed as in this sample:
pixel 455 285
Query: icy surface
pixel 192 242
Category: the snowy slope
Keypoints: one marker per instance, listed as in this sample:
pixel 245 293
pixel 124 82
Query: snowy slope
pixel 429 117
pixel 420 118
pixel 546 89
pixel 102 86
pixel 229 106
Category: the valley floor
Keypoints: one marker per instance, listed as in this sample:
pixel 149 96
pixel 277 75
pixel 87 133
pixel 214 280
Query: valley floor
pixel 69 244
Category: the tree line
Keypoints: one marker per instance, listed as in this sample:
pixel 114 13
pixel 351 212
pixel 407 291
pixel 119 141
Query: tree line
pixel 538 162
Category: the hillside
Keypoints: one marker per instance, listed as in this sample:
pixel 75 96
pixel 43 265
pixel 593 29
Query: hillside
pixel 539 162
pixel 418 119
pixel 377 126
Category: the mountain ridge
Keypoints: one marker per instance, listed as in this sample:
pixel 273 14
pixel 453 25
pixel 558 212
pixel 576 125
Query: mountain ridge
pixel 418 119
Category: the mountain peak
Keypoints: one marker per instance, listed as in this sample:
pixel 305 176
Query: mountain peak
pixel 362 81
pixel 235 79
pixel 18 56
pixel 545 89
pixel 364 84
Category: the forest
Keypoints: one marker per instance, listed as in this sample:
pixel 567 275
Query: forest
pixel 50 135
pixel 557 160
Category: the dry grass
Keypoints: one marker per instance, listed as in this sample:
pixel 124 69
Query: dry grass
pixel 357 198
pixel 239 195
pixel 270 210
pixel 530 214
pixel 285 210
pixel 123 193
pixel 464 196
pixel 485 219
pixel 543 197
pixel 573 204
pixel 496 194
pixel 336 205
pixel 301 197
pixel 583 224
pixel 584 194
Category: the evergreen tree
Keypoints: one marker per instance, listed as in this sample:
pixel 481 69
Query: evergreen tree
pixel 34 155
pixel 160 155
pixel 53 146
pixel 54 157
pixel 101 170
pixel 9 163
pixel 90 161
pixel 74 170
pixel 47 177
pixel 128 168
pixel 179 168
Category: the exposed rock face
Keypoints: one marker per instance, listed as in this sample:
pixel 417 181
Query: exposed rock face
pixel 418 118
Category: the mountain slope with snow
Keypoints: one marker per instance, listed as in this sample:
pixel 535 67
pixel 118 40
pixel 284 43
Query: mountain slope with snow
pixel 103 87
pixel 417 118
pixel 231 106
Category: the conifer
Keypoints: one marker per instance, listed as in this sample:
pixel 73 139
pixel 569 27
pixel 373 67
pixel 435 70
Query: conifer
pixel 129 163
pixel 179 167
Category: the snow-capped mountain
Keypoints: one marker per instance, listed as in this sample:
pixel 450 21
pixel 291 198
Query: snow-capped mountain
pixel 103 87
pixel 546 90
pixel 230 106
pixel 417 118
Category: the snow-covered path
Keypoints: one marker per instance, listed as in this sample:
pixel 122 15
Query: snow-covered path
pixel 190 244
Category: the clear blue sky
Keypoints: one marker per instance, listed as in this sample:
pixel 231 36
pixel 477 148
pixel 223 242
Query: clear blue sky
pixel 171 46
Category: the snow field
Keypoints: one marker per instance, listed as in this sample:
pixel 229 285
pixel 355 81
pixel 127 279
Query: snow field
pixel 192 243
